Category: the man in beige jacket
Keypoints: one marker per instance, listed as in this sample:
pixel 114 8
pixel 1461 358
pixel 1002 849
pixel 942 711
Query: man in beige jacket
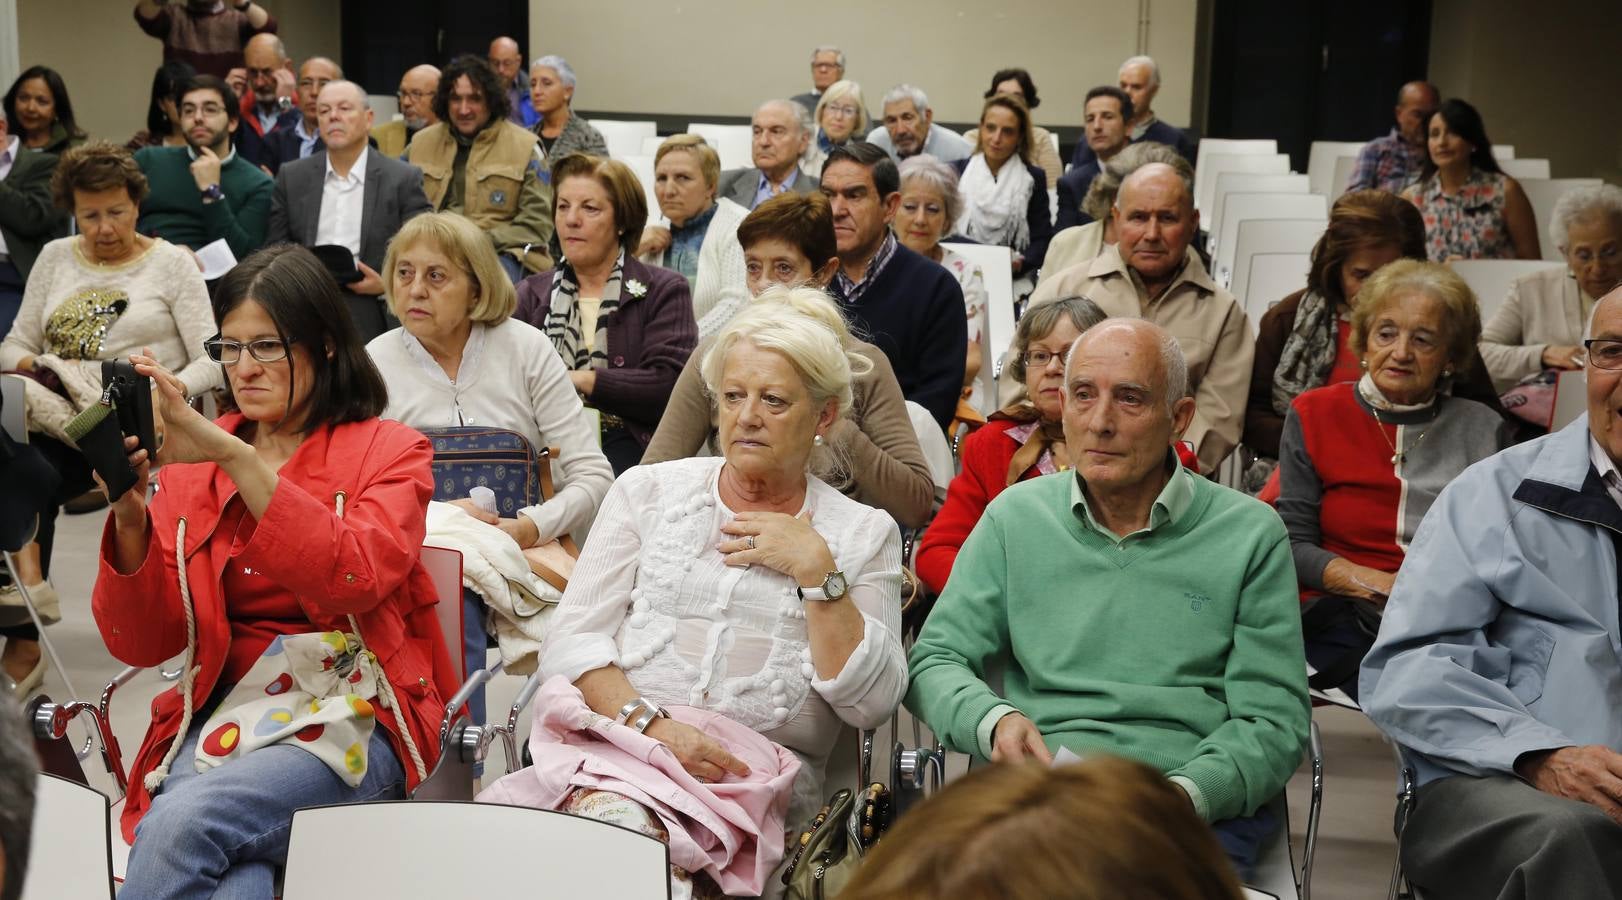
pixel 1152 273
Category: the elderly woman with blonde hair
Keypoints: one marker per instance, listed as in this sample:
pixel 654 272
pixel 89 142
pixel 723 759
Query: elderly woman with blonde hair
pixel 742 585
pixel 1361 462
pixel 702 240
pixel 841 117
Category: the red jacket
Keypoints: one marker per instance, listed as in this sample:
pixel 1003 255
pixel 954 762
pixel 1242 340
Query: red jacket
pixel 365 563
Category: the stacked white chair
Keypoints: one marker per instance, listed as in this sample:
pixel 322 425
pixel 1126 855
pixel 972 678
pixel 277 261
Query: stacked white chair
pixel 1238 208
pixel 1490 279
pixel 1248 163
pixel 1246 183
pixel 642 166
pixel 733 143
pixel 1321 161
pixel 1544 193
pixel 1210 147
pixel 69 858
pixel 1502 152
pixel 1525 167
pixel 650 145
pixel 624 137
pixel 1255 236
pixel 996 267
pixel 1344 166
pixel 1267 278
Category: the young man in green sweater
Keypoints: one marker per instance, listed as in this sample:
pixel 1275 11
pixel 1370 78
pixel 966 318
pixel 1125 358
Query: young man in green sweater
pixel 203 192
pixel 1131 607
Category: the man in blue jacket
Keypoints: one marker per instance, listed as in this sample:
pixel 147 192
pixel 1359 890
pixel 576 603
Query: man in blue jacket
pixel 1498 669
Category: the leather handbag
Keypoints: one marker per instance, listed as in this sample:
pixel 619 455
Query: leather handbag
pixel 827 854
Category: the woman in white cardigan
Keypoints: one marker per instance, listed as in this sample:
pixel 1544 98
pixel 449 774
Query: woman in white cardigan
pixel 702 240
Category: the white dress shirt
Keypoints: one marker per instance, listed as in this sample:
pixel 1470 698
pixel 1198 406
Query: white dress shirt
pixel 7 157
pixel 342 203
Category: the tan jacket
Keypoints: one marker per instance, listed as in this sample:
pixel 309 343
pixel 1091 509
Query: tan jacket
pixel 1209 325
pixel 503 191
pixel 1542 308
pixel 391 138
pixel 1071 247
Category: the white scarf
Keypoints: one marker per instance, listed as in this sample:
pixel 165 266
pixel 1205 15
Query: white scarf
pixel 996 207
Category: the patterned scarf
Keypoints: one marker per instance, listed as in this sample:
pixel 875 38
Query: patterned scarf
pixel 1045 443
pixel 1308 353
pixel 563 323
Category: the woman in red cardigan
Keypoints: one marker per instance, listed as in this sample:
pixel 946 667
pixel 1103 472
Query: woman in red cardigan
pixel 302 512
pixel 1023 440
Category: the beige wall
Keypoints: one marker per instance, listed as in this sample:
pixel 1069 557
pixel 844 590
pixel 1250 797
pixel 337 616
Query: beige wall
pixel 107 61
pixel 724 57
pixel 1543 75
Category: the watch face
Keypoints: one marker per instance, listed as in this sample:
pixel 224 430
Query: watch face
pixel 834 585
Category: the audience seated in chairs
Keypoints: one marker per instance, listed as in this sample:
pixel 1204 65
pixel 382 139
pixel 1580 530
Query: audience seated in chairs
pixel 782 130
pixel 163 125
pixel 1005 197
pixel 1044 148
pixel 306 512
pixel 930 204
pixel 203 192
pixel 1154 273
pixel 743 586
pixel 904 303
pixel 1540 325
pixel 1106 112
pixel 304 138
pixel 1083 243
pixel 1021 441
pixel 551 96
pixel 102 294
pixel 1139 77
pixel 880 463
pixel 28 219
pixel 40 112
pixel 908 129
pixel 702 240
pixel 1393 162
pixel 1131 608
pixel 1356 471
pixel 1102 829
pixel 1472 209
pixel 497 182
pixel 623 329
pixel 418 86
pixel 841 117
pixel 1496 662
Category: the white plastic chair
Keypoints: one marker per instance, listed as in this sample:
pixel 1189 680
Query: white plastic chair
pixel 1544 192
pixel 651 145
pixel 937 452
pixel 1343 173
pixel 428 850
pixel 70 857
pixel 733 143
pixel 1210 147
pixel 1256 236
pixel 1525 167
pixel 1570 399
pixel 1246 183
pixel 385 107
pixel 624 137
pixel 1237 208
pixel 1321 164
pixel 1250 164
pixel 642 167
pixel 997 268
pixel 1269 278
pixel 1490 278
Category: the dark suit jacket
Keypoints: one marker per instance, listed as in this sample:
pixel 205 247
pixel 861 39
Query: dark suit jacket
pixel 282 146
pixel 251 142
pixel 1072 189
pixel 740 185
pixel 1161 133
pixel 27 218
pixel 1037 219
pixel 392 195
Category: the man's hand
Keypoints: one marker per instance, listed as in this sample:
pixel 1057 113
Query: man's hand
pixel 1591 774
pixel 205 169
pixel 1015 738
pixel 238 80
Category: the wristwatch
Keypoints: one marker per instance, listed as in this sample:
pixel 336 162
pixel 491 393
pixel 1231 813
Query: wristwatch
pixel 213 193
pixel 833 589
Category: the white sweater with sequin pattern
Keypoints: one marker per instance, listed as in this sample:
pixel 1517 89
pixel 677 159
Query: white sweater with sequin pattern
pixel 652 595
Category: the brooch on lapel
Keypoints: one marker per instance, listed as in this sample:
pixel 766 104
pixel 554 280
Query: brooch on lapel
pixel 636 289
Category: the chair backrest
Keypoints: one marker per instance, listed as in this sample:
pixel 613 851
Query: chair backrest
pixel 1271 236
pixel 1490 279
pixel 445 567
pixel 997 269
pixel 384 107
pixel 13 413
pixel 651 145
pixel 1525 167
pixel 1321 162
pixel 1253 164
pixel 425 849
pixel 71 856
pixel 1245 183
pixel 642 167
pixel 733 143
pixel 1544 193
pixel 1210 147
pixel 1570 399
pixel 937 452
pixel 1237 208
pixel 1268 278
pixel 1502 152
pixel 1343 173
pixel 624 137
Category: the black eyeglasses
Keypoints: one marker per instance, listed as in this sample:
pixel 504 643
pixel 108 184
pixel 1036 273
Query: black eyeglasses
pixel 1604 353
pixel 227 352
pixel 1039 358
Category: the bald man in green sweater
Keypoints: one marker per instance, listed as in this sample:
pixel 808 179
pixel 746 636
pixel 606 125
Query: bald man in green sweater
pixel 1130 607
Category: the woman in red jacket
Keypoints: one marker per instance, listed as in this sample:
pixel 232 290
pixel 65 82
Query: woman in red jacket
pixel 302 512
pixel 1021 441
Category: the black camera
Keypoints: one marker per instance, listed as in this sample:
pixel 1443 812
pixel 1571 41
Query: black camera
pixel 131 394
pixel 125 409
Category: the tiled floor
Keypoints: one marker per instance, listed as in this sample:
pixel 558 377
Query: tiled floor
pixel 1355 848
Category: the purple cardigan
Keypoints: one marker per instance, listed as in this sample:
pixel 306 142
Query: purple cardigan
pixel 649 340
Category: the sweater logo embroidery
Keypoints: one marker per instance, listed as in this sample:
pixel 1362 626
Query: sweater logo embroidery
pixel 498 198
pixel 1196 602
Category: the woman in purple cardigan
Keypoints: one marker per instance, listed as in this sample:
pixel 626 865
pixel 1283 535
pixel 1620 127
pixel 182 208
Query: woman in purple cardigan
pixel 624 329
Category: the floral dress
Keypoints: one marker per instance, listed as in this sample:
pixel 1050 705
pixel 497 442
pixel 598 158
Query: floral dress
pixel 1469 224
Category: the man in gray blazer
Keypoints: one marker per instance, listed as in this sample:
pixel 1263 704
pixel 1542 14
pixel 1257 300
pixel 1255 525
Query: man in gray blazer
pixel 350 196
pixel 782 130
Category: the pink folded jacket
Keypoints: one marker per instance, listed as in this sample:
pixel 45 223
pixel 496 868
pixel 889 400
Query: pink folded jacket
pixel 732 830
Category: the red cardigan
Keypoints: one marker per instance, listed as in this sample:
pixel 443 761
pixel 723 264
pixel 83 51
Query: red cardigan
pixel 985 455
pixel 365 563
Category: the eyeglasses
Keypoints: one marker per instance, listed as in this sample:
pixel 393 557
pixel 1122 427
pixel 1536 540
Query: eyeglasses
pixel 1040 358
pixel 414 95
pixel 840 110
pixel 227 352
pixel 1604 353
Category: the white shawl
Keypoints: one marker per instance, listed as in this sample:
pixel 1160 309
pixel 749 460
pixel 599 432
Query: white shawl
pixel 996 207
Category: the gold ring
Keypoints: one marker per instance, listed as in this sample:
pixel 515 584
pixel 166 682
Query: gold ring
pixel 751 542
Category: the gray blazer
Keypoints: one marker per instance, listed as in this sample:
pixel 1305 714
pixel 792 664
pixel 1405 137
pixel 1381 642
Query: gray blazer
pixel 740 185
pixel 393 194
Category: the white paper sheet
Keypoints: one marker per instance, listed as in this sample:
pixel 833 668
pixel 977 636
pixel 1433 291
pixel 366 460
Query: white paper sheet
pixel 216 259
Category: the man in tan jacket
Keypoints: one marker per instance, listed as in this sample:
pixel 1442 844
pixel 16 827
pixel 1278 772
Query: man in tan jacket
pixel 1152 273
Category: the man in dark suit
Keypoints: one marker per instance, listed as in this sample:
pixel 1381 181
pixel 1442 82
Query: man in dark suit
pixel 27 217
pixel 1107 111
pixel 782 131
pixel 348 195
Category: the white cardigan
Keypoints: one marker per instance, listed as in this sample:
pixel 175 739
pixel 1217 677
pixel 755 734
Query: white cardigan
pixel 721 287
pixel 511 377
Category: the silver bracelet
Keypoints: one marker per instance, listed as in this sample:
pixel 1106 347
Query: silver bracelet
pixel 653 711
pixel 629 710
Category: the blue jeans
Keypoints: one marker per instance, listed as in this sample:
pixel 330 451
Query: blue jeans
pixel 1242 839
pixel 475 648
pixel 223 833
pixel 513 268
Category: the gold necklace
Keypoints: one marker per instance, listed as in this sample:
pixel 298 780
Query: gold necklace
pixel 1398 457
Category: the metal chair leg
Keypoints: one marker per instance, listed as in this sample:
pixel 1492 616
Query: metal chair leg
pixel 44 639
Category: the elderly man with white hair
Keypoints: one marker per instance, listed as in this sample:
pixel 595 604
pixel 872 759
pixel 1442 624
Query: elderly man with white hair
pixel 1130 607
pixel 1139 77
pixel 909 129
pixel 827 68
pixel 782 130
pixel 551 95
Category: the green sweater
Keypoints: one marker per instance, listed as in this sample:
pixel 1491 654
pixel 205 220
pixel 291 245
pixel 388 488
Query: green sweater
pixel 174 209
pixel 1178 645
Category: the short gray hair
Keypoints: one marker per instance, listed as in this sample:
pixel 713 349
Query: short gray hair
pixel 1172 359
pixel 800 113
pixel 920 100
pixel 1602 201
pixel 839 55
pixel 1154 68
pixel 937 176
pixel 557 64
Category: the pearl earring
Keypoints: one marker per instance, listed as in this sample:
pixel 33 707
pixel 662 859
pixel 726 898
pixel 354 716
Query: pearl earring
pixel 817 441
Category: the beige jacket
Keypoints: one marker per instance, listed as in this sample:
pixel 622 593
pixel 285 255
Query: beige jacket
pixel 1209 325
pixel 1542 308
pixel 1071 247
